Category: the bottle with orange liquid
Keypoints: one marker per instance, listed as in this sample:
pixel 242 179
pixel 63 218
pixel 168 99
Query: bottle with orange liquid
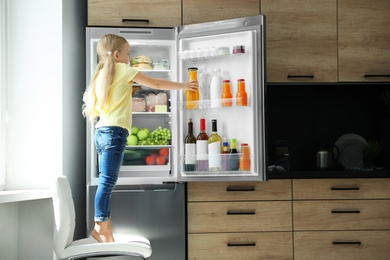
pixel 192 96
pixel 241 96
pixel 245 163
pixel 226 94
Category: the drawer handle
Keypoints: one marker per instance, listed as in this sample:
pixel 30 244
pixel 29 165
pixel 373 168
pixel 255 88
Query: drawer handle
pixel 300 76
pixel 377 76
pixel 135 20
pixel 241 212
pixel 335 211
pixel 345 188
pixel 249 188
pixel 346 243
pixel 241 244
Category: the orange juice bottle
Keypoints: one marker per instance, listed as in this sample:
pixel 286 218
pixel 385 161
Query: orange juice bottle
pixel 226 94
pixel 192 96
pixel 245 163
pixel 241 96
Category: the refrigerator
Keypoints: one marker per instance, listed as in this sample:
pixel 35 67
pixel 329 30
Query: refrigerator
pixel 150 196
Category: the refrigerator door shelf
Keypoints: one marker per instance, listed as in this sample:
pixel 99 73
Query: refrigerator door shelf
pixel 206 104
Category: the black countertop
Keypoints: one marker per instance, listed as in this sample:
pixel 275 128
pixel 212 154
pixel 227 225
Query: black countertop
pixel 320 174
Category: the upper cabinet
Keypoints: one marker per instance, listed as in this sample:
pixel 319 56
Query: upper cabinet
pixel 301 40
pixel 201 11
pixel 364 40
pixel 134 13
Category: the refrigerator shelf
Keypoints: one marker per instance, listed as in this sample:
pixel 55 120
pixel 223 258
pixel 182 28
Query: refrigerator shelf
pixel 206 104
pixel 201 54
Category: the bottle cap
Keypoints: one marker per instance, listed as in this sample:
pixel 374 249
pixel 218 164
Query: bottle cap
pixel 233 140
pixel 202 124
pixel 241 80
pixel 225 143
pixel 226 81
pixel 192 68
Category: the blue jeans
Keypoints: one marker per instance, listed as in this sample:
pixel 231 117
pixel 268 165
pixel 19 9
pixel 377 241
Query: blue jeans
pixel 110 142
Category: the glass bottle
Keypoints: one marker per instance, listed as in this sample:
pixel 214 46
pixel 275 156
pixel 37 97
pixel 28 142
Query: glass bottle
pixel 241 96
pixel 245 163
pixel 190 149
pixel 226 94
pixel 215 148
pixel 204 86
pixel 202 159
pixel 233 156
pixel 192 96
pixel 216 89
pixel 225 156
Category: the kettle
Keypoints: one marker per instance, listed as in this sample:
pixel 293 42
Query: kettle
pixel 325 159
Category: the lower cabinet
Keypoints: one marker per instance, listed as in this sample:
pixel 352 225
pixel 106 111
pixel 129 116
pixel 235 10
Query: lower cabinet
pixel 290 219
pixel 240 220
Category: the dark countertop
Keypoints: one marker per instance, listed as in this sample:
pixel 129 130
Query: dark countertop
pixel 320 174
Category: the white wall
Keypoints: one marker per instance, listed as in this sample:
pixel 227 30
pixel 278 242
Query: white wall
pixel 46 132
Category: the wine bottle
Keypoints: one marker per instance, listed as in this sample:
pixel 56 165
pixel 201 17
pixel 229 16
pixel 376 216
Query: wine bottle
pixel 234 163
pixel 202 159
pixel 190 149
pixel 215 148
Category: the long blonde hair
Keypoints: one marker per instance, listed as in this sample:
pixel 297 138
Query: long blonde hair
pixel 94 98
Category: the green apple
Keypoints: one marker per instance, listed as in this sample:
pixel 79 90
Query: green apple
pixel 132 140
pixel 134 130
pixel 142 134
pixel 145 129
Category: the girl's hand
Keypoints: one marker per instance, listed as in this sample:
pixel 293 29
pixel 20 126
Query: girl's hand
pixel 192 85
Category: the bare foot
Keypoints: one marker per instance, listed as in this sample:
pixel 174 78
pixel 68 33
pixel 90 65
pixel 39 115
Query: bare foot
pixel 103 232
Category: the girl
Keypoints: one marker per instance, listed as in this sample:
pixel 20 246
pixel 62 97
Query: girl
pixel 108 100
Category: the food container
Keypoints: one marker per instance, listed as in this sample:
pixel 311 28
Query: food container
pixel 239 49
pixel 161 65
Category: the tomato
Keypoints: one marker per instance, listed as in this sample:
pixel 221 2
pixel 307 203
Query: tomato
pixel 153 155
pixel 160 160
pixel 150 160
pixel 163 152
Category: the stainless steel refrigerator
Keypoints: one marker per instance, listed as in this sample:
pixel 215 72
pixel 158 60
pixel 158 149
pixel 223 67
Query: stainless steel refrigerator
pixel 150 198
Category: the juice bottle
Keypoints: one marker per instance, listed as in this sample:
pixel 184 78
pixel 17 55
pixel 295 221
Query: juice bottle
pixel 192 96
pixel 226 94
pixel 241 96
pixel 245 163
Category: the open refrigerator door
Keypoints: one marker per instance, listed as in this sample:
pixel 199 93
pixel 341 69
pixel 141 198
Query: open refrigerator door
pixel 234 49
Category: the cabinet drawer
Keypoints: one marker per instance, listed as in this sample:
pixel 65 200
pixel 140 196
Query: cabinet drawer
pixel 239 216
pixel 341 189
pixel 239 191
pixel 233 246
pixel 345 245
pixel 341 215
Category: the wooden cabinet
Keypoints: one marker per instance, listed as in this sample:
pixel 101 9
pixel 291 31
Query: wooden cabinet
pixel 301 40
pixel 133 13
pixel 240 220
pixel 341 218
pixel 364 40
pixel 201 11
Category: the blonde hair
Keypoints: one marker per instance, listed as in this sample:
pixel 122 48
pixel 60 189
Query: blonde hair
pixel 94 98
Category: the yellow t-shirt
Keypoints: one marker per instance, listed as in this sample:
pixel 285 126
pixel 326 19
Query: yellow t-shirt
pixel 119 100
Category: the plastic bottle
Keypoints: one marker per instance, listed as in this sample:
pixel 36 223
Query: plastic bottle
pixel 226 94
pixel 204 86
pixel 190 149
pixel 216 89
pixel 202 159
pixel 233 156
pixel 245 163
pixel 215 148
pixel 192 96
pixel 241 96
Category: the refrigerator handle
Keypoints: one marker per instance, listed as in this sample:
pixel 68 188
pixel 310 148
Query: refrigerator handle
pixel 135 20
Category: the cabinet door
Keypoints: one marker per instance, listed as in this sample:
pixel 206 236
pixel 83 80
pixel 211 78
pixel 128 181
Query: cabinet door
pixel 364 40
pixel 201 11
pixel 301 40
pixel 133 13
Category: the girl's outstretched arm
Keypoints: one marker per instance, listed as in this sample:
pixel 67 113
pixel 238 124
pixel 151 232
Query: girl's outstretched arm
pixel 163 84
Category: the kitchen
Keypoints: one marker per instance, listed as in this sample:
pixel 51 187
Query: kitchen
pixel 335 81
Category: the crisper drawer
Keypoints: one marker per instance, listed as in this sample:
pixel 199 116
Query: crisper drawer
pixel 239 191
pixel 345 245
pixel 341 188
pixel 239 216
pixel 341 215
pixel 248 246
